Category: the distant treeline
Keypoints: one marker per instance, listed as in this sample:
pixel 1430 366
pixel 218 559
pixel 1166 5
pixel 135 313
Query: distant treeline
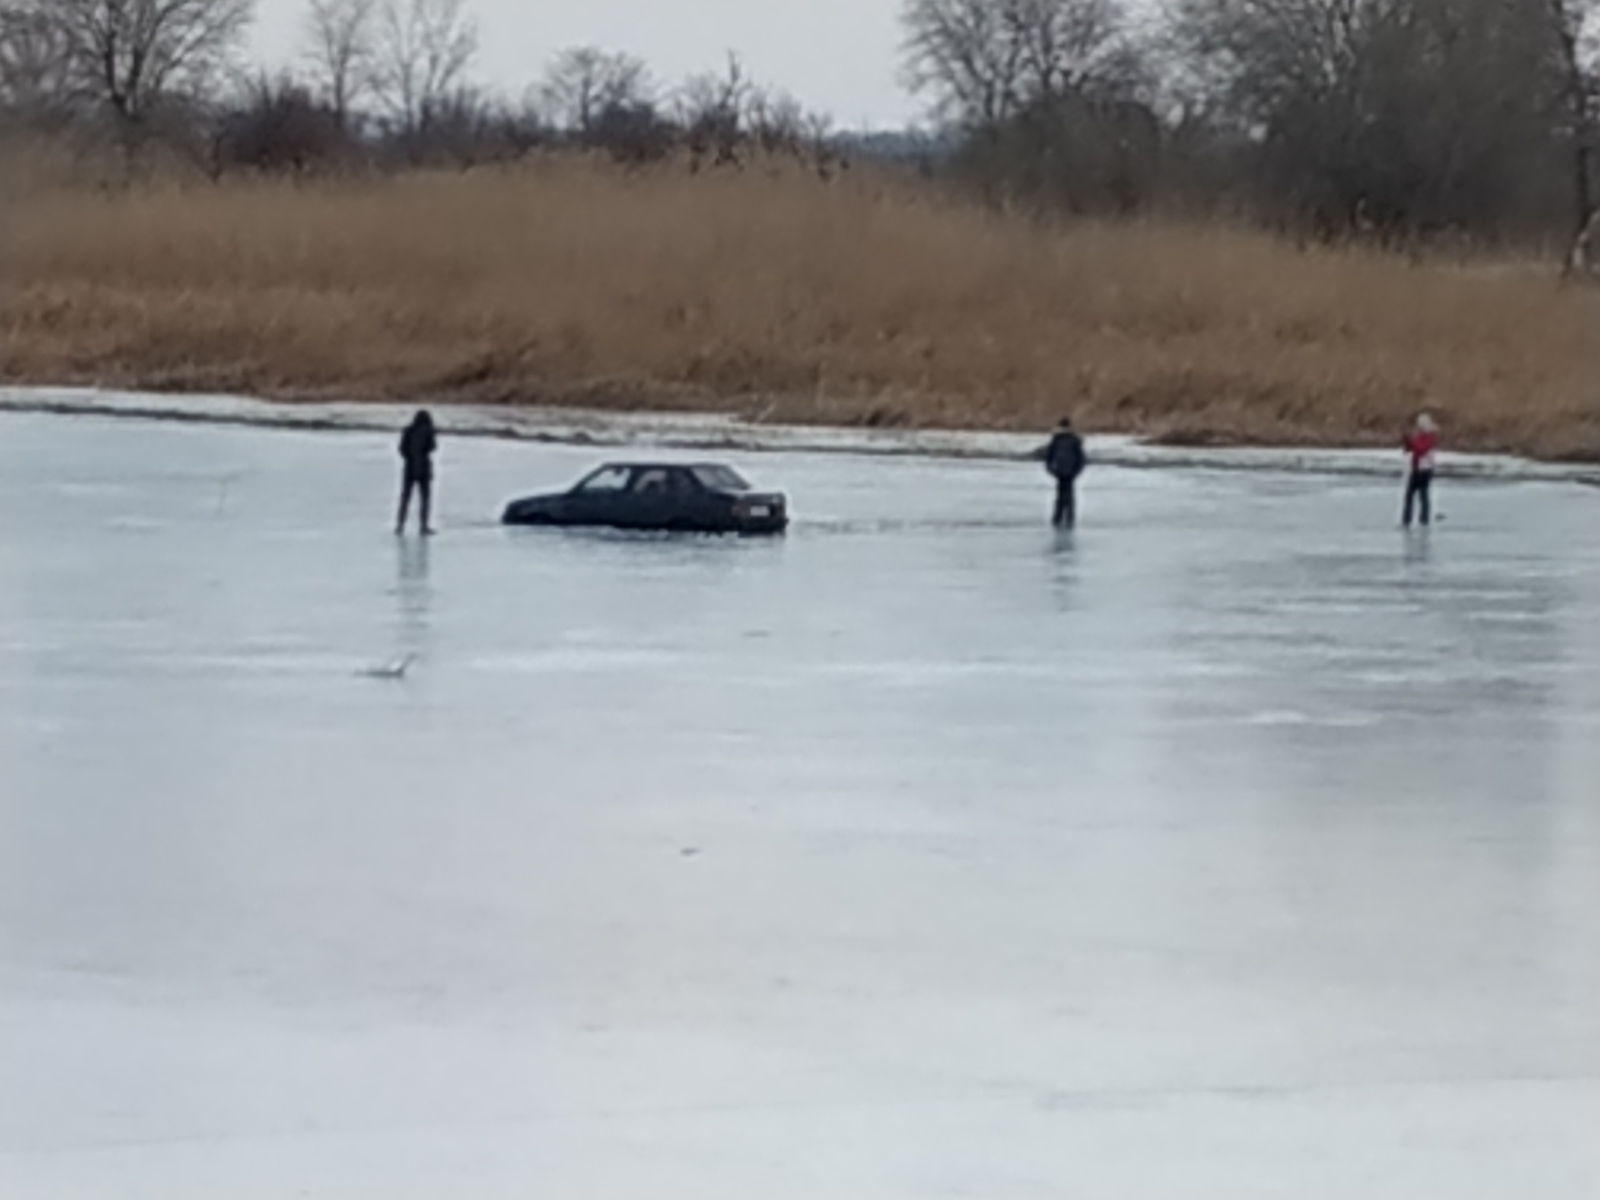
pixel 1395 120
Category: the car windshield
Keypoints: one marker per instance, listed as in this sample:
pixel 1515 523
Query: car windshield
pixel 721 479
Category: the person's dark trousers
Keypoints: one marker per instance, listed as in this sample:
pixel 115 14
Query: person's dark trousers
pixel 1419 497
pixel 420 482
pixel 1066 515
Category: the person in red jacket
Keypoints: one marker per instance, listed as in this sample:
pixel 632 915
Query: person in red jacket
pixel 1422 446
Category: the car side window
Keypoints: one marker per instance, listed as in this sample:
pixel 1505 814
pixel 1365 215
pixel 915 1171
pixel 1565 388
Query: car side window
pixel 606 481
pixel 652 482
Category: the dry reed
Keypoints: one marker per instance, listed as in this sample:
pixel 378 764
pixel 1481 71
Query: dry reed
pixel 774 294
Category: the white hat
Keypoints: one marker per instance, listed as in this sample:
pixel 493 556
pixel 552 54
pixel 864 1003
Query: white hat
pixel 1426 424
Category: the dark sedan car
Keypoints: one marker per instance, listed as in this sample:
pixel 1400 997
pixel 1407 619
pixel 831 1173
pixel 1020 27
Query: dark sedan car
pixel 679 498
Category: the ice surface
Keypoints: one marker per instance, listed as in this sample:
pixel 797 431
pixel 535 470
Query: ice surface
pixel 1237 846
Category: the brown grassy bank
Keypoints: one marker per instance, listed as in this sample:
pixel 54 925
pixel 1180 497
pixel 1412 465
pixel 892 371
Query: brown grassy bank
pixel 782 296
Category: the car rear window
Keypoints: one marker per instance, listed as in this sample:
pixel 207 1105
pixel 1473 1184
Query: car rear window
pixel 721 479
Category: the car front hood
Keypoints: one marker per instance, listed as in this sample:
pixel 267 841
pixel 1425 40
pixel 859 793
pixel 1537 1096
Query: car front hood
pixel 535 506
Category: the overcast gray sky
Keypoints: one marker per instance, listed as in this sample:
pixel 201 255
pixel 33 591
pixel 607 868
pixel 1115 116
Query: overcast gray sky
pixel 840 56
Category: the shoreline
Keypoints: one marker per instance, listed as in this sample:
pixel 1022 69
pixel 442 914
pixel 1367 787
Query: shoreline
pixel 719 433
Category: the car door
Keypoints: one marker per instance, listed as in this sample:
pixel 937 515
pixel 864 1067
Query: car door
pixel 650 500
pixel 694 507
pixel 601 498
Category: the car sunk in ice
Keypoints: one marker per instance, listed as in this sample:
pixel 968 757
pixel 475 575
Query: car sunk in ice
pixel 671 497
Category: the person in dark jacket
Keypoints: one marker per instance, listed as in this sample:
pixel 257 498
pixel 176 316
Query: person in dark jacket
pixel 417 445
pixel 1064 458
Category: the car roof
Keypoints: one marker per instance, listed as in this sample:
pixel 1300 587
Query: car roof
pixel 664 466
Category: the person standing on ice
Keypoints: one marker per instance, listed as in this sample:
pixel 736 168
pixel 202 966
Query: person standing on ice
pixel 1422 447
pixel 1064 458
pixel 417 445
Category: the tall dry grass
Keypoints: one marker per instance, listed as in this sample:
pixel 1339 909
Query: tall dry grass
pixel 778 295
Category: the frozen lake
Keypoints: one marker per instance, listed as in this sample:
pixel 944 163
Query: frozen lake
pixel 1238 846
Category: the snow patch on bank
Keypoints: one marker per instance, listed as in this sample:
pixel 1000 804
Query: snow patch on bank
pixel 720 433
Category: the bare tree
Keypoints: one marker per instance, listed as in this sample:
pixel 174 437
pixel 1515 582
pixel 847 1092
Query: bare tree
pixel 421 53
pixel 275 124
pixel 1575 26
pixel 778 124
pixel 129 55
pixel 36 77
pixel 584 83
pixel 339 51
pixel 712 111
pixel 775 120
pixel 714 94
pixel 1407 117
pixel 984 61
pixel 1264 55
